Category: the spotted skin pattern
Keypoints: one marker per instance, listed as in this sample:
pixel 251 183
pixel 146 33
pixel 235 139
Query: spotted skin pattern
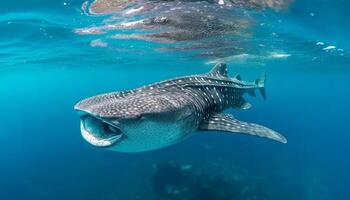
pixel 164 113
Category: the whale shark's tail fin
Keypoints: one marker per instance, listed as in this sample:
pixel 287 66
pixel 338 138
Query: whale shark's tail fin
pixel 260 83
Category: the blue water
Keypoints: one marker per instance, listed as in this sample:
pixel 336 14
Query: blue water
pixel 46 67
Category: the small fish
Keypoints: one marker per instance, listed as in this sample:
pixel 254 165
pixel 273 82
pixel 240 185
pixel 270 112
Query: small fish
pixel 164 113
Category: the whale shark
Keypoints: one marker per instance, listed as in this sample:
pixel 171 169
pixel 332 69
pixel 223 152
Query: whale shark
pixel 167 112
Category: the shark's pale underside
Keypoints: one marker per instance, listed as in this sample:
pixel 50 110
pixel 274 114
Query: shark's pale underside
pixel 167 112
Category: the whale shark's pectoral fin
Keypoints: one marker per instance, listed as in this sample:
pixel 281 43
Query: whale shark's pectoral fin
pixel 226 122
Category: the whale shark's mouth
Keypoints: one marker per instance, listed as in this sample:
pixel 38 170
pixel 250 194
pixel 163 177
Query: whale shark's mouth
pixel 98 132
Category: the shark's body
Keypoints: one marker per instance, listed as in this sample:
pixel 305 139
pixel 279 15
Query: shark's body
pixel 164 113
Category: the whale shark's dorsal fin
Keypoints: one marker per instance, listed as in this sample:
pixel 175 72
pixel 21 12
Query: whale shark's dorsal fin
pixel 219 69
pixel 226 122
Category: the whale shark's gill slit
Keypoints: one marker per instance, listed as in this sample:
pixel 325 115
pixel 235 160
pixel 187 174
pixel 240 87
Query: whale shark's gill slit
pixel 108 128
pixel 113 129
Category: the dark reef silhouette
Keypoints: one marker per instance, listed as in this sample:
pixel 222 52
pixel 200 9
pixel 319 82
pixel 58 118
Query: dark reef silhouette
pixel 215 181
